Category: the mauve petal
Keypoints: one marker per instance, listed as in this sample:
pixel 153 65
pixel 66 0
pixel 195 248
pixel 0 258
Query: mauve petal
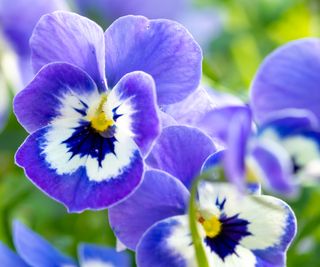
pixel 162 48
pixel 181 151
pixel 39 103
pixel 76 189
pixel 10 259
pixel 71 38
pixel 137 91
pixel 158 197
pixel 238 132
pixel 35 250
pixel 288 78
pixel 94 255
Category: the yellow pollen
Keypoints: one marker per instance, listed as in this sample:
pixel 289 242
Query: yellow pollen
pixel 212 226
pixel 251 176
pixel 100 121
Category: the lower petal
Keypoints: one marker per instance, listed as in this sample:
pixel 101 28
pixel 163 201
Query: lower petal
pixel 158 197
pixel 93 255
pixel 84 178
pixel 35 250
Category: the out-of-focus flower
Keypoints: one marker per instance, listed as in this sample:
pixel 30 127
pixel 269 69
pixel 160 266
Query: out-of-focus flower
pixel 87 141
pixel 204 23
pixel 243 230
pixel 17 20
pixel 35 251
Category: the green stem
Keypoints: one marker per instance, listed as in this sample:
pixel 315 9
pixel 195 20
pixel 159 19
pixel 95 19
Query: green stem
pixel 197 240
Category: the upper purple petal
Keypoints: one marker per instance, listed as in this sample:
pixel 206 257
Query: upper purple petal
pixel 68 37
pixel 181 151
pixel 102 256
pixel 288 78
pixel 158 197
pixel 35 250
pixel 137 91
pixel 39 103
pixel 162 48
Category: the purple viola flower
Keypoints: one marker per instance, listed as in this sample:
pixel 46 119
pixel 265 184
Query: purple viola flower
pixel 35 251
pixel 283 153
pixel 245 230
pixel 18 34
pixel 88 141
pixel 203 23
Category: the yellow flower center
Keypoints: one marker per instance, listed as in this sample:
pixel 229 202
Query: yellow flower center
pixel 100 120
pixel 212 226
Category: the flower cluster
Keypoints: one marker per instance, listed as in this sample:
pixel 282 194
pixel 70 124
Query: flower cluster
pixel 119 120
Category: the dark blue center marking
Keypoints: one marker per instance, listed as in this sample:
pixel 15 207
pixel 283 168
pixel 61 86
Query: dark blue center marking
pixel 86 141
pixel 233 229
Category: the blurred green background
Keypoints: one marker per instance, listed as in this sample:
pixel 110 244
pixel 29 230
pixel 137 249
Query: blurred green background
pixel 250 31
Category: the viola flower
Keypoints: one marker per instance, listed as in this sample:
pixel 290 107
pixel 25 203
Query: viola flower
pixel 35 251
pixel 237 230
pixel 283 153
pixel 88 141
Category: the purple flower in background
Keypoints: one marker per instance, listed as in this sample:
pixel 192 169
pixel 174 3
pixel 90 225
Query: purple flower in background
pixel 203 23
pixel 87 141
pixel 244 230
pixel 285 96
pixel 18 34
pixel 35 251
pixel 284 152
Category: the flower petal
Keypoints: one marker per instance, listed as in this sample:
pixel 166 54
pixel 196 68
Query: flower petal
pixel 9 259
pixel 181 151
pixel 35 250
pixel 288 78
pixel 159 196
pixel 238 133
pixel 80 169
pixel 93 255
pixel 41 101
pixel 290 121
pixel 134 99
pixel 271 164
pixel 162 48
pixel 72 39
